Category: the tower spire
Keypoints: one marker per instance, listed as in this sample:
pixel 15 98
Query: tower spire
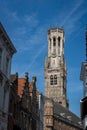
pixel 86 42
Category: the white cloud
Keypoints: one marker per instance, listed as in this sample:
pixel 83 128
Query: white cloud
pixel 14 16
pixel 34 59
pixel 30 18
pixel 71 12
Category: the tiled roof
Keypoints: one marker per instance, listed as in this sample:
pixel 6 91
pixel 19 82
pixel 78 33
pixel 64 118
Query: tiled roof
pixel 66 115
pixel 63 114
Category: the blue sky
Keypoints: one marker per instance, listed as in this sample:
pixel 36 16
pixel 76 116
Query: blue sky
pixel 27 22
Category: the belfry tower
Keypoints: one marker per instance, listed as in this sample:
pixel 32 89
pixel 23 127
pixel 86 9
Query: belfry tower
pixel 55 67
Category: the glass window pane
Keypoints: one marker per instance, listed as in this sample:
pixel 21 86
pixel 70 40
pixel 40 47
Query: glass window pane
pixel 0 57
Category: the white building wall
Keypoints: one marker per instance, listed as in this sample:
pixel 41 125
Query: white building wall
pixel 41 109
pixel 7 51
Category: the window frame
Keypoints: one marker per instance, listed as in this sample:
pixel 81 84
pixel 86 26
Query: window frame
pixel 0 57
pixel 54 41
pixel 7 65
pixel 53 80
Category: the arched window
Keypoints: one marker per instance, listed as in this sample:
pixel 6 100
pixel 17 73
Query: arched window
pixel 50 42
pixel 60 102
pixel 58 41
pixel 54 41
pixel 51 79
pixel 55 79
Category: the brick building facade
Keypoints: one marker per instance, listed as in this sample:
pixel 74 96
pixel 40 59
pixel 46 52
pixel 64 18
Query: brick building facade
pixel 24 105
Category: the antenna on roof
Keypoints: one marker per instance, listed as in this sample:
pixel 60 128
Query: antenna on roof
pixel 86 42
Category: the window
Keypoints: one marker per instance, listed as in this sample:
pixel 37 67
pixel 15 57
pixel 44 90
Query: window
pixel 53 80
pixel 50 42
pixel 4 98
pixel 58 41
pixel 7 64
pixel 0 57
pixel 54 41
pixel 58 45
pixel 60 102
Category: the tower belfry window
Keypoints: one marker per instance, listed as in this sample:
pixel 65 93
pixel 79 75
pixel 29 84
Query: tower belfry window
pixel 53 80
pixel 54 41
pixel 58 41
pixel 50 42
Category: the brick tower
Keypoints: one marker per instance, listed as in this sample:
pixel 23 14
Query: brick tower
pixel 55 67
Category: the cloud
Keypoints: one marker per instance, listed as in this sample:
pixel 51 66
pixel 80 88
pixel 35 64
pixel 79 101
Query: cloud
pixel 13 16
pixel 31 19
pixel 74 88
pixel 21 31
pixel 74 9
pixel 29 66
pixel 29 41
pixel 26 33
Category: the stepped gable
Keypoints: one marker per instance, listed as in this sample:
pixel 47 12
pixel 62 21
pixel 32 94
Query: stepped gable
pixel 65 115
pixel 31 88
pixel 21 82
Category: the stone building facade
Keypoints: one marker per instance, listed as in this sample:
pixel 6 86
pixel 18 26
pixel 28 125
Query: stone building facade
pixel 56 109
pixel 6 52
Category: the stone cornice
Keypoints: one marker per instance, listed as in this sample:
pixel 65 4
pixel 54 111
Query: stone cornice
pixel 7 40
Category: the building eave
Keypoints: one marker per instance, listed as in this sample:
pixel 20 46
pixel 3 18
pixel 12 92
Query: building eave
pixel 7 40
